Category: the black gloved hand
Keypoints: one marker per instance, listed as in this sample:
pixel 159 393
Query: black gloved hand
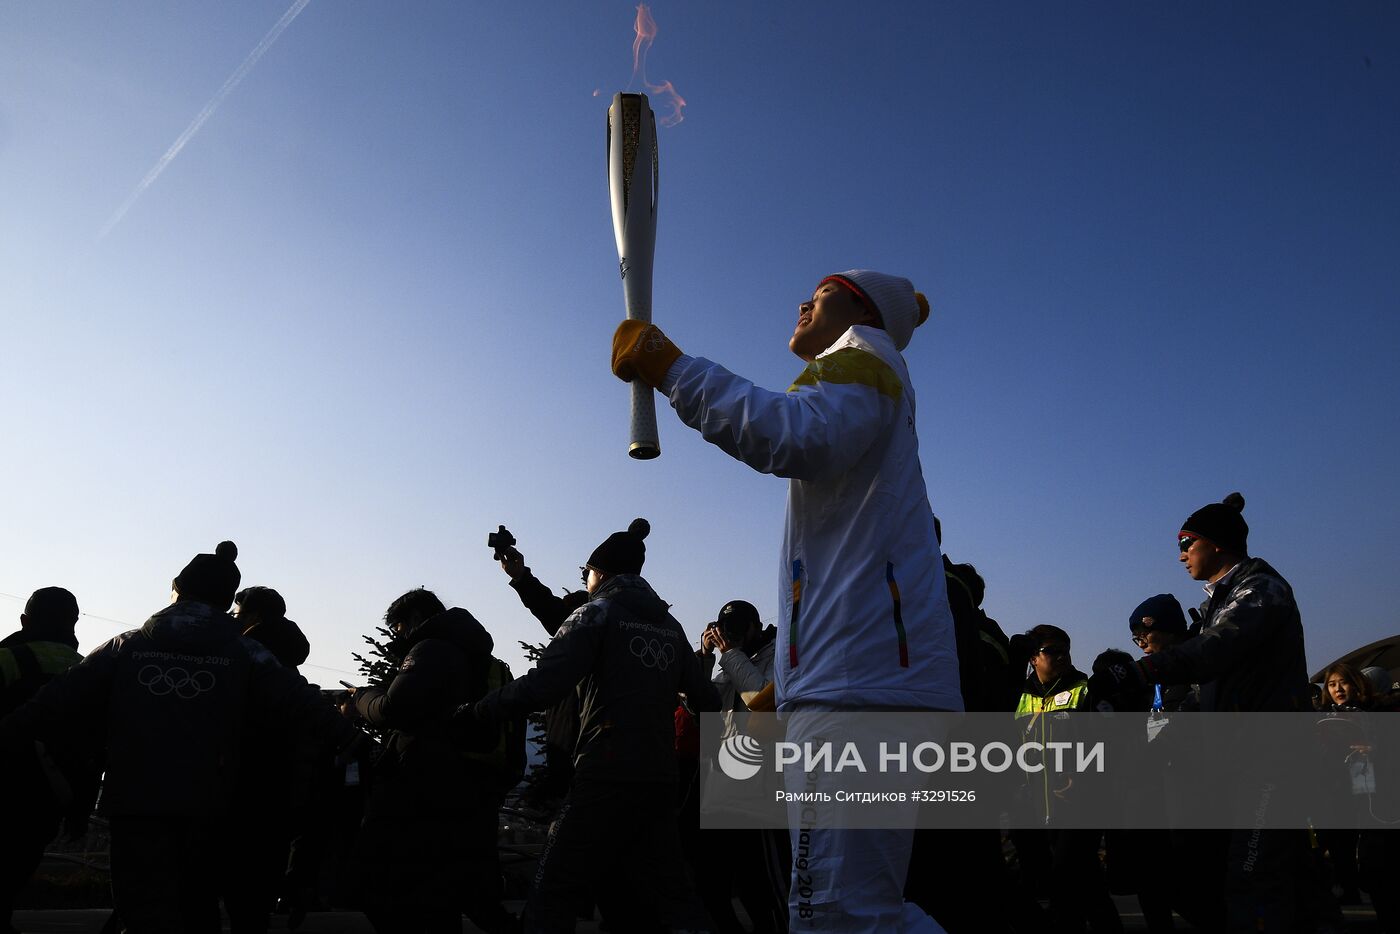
pixel 1118 683
pixel 475 732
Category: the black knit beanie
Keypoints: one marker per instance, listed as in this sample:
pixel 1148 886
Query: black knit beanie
pixel 622 552
pixel 211 579
pixel 52 607
pixel 52 612
pixel 1161 613
pixel 1222 524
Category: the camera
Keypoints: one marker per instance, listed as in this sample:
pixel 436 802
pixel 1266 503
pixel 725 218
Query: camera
pixel 499 541
pixel 736 619
pixel 733 629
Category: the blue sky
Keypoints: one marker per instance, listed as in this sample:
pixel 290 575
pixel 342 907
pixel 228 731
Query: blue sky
pixel 363 316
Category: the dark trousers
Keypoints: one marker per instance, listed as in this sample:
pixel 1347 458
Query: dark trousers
pixel 1340 844
pixel 27 832
pixel 1181 870
pixel 165 874
pixel 419 875
pixel 743 863
pixel 256 860
pixel 1379 852
pixel 617 842
pixel 960 878
pixel 1078 888
pixel 1264 881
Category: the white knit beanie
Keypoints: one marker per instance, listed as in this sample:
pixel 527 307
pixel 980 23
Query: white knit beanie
pixel 893 298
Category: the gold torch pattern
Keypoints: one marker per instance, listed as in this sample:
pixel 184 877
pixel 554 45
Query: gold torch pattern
pixel 633 179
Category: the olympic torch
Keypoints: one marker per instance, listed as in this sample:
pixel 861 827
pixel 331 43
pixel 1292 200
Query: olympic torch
pixel 632 182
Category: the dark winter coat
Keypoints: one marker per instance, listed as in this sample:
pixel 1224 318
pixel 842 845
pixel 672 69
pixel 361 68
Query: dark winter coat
pixel 63 774
pixel 426 770
pixel 171 701
pixel 1249 653
pixel 283 638
pixel 985 672
pixel 628 659
pixel 561 719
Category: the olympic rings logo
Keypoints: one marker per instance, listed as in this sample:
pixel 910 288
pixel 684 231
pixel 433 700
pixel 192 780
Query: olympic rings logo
pixel 161 681
pixel 650 340
pixel 652 653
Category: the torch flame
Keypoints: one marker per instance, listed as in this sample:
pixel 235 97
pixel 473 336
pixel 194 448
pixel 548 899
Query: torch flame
pixel 645 28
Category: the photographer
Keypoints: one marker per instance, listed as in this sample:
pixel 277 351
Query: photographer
pixel 626 656
pixel 749 863
pixel 745 659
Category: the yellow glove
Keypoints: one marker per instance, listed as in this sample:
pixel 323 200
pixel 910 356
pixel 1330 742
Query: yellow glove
pixel 641 351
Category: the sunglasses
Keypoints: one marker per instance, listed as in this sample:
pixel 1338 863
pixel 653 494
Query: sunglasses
pixel 1140 640
pixel 1185 540
pixel 1052 650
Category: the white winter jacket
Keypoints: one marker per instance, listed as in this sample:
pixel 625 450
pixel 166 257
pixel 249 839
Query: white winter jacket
pixel 737 675
pixel 863 611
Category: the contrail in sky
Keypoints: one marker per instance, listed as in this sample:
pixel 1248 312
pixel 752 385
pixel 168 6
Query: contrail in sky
pixel 232 82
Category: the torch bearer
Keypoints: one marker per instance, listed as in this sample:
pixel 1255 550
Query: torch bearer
pixel 632 182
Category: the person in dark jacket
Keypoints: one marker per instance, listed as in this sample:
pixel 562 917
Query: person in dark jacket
pixel 39 790
pixel 263 614
pixel 1347 690
pixel 627 658
pixel 1247 657
pixel 560 720
pixel 1169 869
pixel 274 801
pixel 428 845
pixel 960 876
pixel 986 674
pixel 172 701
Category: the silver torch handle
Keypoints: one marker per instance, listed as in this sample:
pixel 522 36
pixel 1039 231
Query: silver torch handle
pixel 632 183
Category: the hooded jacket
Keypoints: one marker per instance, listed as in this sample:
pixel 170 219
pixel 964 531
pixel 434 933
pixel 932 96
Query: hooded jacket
pixel 863 606
pixel 447 662
pixel 1249 653
pixel 283 638
pixel 170 702
pixel 627 658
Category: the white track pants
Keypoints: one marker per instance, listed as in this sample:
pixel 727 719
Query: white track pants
pixel 846 881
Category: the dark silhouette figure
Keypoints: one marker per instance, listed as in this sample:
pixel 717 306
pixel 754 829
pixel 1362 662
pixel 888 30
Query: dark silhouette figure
pixel 43 784
pixel 273 800
pixel 628 658
pixel 428 845
pixel 171 702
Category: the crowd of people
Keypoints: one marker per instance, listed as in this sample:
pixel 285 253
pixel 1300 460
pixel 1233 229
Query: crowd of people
pixel 225 776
